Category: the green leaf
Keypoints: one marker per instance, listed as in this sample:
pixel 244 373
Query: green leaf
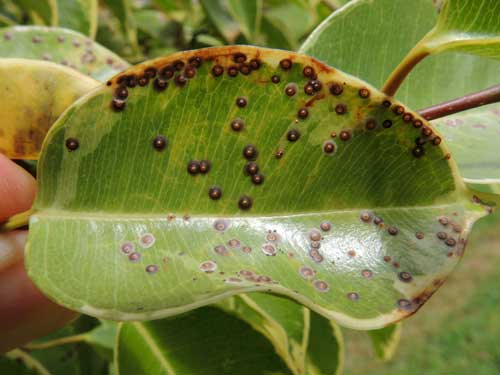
pixel 61 46
pixel 122 9
pixel 308 343
pixel 348 215
pixel 205 341
pixel 78 15
pixel 385 340
pixel 42 12
pixel 248 14
pixel 28 114
pixel 470 26
pixel 219 15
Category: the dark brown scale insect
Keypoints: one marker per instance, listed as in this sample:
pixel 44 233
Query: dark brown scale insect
pixel 325 226
pixel 180 80
pixel 386 103
pixel 303 113
pixel 241 102
pixel 195 61
pixel 215 193
pixel 398 110
pixel 442 235
pixel 293 135
pixel 336 89
pixel 291 89
pixel 370 124
pixel 418 152
pixel 275 79
pixel 217 70
pixel 251 168
pixel 367 274
pixel 309 89
pixel 392 231
pixel 366 216
pixel 72 144
pixel 237 124
pixel 232 71
pixel 245 202
pixel 317 85
pixel 257 179
pixel 377 220
pixel 457 228
pixel 364 93
pixel 160 84
pixel 405 277
pixel 314 235
pixel 118 104
pixel 344 135
pixel 160 143
pixel 436 141
pixel 189 71
pixel 387 258
pixel 239 57
pixel 333 134
pixel 308 71
pixel 143 81
pixel 150 72
pixel 205 166
pixel 245 69
pixel 340 109
pixel 254 64
pixel 131 81
pixel 121 92
pixel 443 220
pixel 250 152
pixel 426 131
pixel 167 72
pixel 329 147
pixel 420 141
pixel 279 154
pixel 419 235
pixel 450 242
pixel 353 296
pixel 193 167
pixel 179 65
pixel 417 123
pixel 286 64
pixel 407 117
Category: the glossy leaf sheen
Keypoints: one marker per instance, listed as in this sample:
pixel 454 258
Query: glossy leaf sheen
pixel 27 115
pixel 115 189
pixel 61 46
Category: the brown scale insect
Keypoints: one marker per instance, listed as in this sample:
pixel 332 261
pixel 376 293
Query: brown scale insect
pixel 160 143
pixel 291 89
pixel 442 235
pixel 193 167
pixel 309 89
pixel 239 57
pixel 237 125
pixel 275 79
pixel 241 102
pixel 181 80
pixel 245 202
pixel 386 103
pixel 308 71
pixel 426 131
pixel 370 124
pixel 121 92
pixel 251 168
pixel 325 226
pixel 232 71
pixel 205 166
pixel 367 274
pixel 366 216
pixel 387 124
pixel 377 220
pixel 353 296
pixel 152 268
pixel 398 110
pixel 72 144
pixel 419 235
pixel 436 141
pixel 340 109
pixel 178 65
pixel 344 135
pixel 443 220
pixel 351 253
pixel 118 104
pixel 279 154
pixel 250 152
pixel 387 258
pixel 407 117
pixel 417 123
pixel 418 152
pixel 143 81
pixel 364 93
pixel 293 135
pixel 405 277
pixel 286 64
pixel 257 179
pixel 195 61
pixel 420 141
pixel 245 69
pixel 392 231
pixel 36 39
pixel 254 64
pixel 150 72
pixel 160 84
pixel 317 85
pixel 131 81
pixel 167 72
pixel 450 242
pixel 189 71
pixel 215 193
pixel 336 89
pixel 329 147
pixel 217 70
pixel 303 113
pixel 314 235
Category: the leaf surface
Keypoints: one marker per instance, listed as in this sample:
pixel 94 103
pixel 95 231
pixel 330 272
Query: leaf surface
pixel 385 340
pixel 78 15
pixel 349 214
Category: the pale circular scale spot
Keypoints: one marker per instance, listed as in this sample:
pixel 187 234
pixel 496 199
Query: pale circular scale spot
pixel 134 257
pixel 316 255
pixel 315 244
pixel 147 240
pixel 353 296
pixel 405 277
pixel 208 266
pixel 366 216
pixel 152 268
pixel 321 286
pixel 246 249
pixel 221 225
pixel 127 247
pixel 246 273
pixel 269 249
pixel 315 235
pixel 272 237
pixel 264 279
pixel 367 274
pixel 233 243
pixel 221 250
pixel 325 226
pixel 307 273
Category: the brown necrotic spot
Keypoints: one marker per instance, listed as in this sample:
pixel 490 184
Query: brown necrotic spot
pixel 205 166
pixel 336 89
pixel 303 113
pixel 195 61
pixel 215 193
pixel 221 225
pixel 147 240
pixel 392 231
pixel 275 79
pixel 245 202
pixel 152 268
pixel 254 64
pixel 321 286
pixel 307 273
pixel 367 274
pixel 325 226
pixel 134 257
pixel 232 71
pixel 366 216
pixel 387 124
pixel 450 242
pixel 245 69
pixel 269 249
pixel 370 124
pixel 193 167
pixel 250 152
pixel 251 168
pixel 398 110
pixel 314 235
pixel 353 296
pixel 217 70
pixel 442 235
pixel 407 117
pixel 181 80
pixel 208 266
pixel 345 135
pixel 419 235
pixel 257 179
pixel 351 253
pixel 160 143
pixel 72 144
pixel 364 92
pixel 160 84
pixel 221 250
pixel 418 151
pixel 340 109
pixel 291 89
pixel 237 124
pixel 405 277
pixel 241 102
pixel 286 64
pixel 118 104
pixel 293 135
pixel 127 247
pixel 329 147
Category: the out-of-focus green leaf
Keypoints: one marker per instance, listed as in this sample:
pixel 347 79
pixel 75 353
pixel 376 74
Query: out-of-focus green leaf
pixel 78 15
pixel 19 362
pixel 222 19
pixel 44 12
pixel 122 9
pixel 248 14
pixel 205 341
pixel 385 340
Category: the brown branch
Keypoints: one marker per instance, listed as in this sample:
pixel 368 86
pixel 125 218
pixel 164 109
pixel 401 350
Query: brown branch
pixel 474 100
